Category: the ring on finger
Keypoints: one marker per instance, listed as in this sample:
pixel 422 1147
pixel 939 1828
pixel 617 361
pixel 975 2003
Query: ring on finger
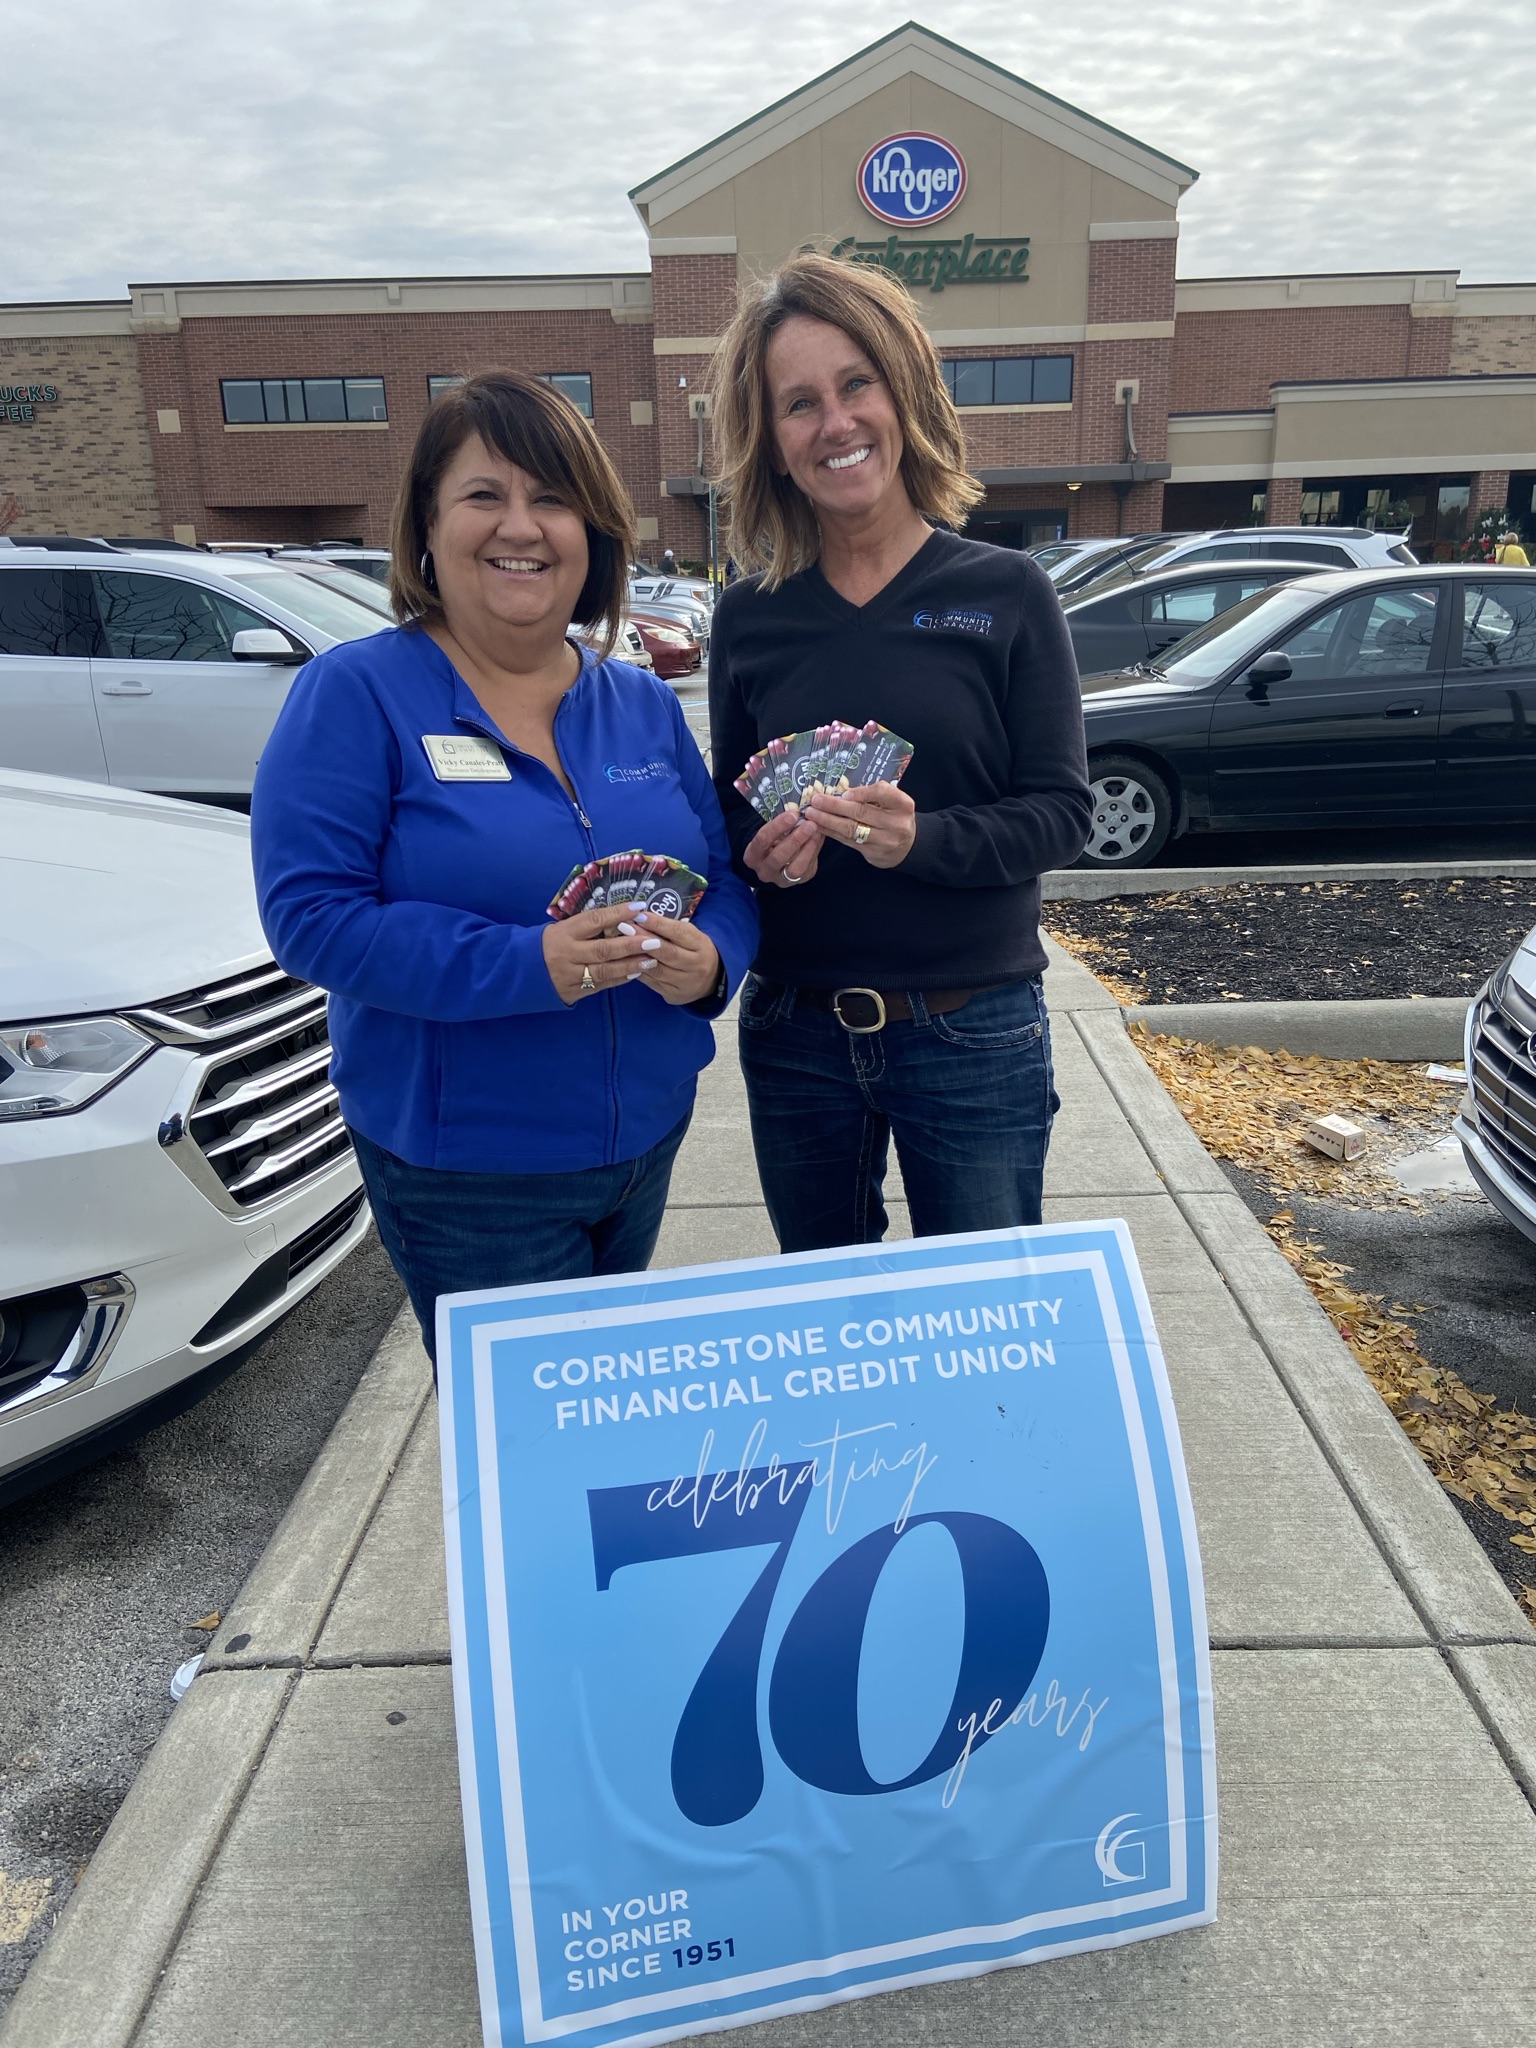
pixel 588 985
pixel 791 881
pixel 860 834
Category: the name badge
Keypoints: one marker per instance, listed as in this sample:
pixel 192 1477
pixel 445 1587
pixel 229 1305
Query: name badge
pixel 462 757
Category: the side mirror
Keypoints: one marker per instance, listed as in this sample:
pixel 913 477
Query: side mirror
pixel 1272 667
pixel 265 643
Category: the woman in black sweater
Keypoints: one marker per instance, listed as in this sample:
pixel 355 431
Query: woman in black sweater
pixel 897 989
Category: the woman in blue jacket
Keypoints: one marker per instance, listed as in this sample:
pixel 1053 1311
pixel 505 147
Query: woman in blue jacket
pixel 516 1086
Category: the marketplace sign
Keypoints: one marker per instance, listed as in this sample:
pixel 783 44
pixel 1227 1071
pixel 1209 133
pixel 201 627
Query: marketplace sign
pixel 19 402
pixel 968 259
pixel 822 1625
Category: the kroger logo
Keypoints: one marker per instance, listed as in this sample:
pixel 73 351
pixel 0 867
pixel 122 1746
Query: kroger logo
pixel 912 177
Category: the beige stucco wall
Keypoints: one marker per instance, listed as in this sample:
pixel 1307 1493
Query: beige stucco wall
pixel 1017 184
pixel 1494 345
pixel 84 465
pixel 1212 449
pixel 1405 427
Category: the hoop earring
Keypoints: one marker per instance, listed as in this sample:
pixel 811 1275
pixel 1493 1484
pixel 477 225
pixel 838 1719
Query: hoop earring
pixel 428 573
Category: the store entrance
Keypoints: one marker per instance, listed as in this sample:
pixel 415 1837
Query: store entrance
pixel 1016 529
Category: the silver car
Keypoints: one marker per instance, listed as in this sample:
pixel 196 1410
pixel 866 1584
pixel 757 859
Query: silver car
pixel 1497 1124
pixel 156 670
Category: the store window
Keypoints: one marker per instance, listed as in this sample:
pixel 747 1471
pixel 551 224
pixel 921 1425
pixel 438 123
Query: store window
pixel 322 401
pixel 1009 380
pixel 436 386
pixel 576 385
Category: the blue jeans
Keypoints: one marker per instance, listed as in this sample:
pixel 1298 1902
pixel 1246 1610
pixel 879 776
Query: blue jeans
pixel 446 1233
pixel 968 1097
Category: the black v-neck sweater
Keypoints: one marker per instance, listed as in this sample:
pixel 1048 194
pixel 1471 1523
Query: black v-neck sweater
pixel 966 654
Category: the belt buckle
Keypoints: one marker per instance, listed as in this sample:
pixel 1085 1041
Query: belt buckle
pixel 859 1030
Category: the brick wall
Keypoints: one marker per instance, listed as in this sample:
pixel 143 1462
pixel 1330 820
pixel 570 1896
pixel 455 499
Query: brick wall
pixel 1498 344
pixel 1226 362
pixel 83 465
pixel 227 484
pixel 1131 280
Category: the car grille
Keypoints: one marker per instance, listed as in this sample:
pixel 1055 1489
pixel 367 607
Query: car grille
pixel 1504 1089
pixel 265 1116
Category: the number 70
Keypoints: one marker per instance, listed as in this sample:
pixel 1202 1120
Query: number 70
pixel 813 1692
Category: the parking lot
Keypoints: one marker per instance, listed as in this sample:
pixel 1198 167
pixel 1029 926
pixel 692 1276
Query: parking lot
pixel 106 1569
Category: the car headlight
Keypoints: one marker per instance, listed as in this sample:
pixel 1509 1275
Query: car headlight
pixel 50 1069
pixel 669 638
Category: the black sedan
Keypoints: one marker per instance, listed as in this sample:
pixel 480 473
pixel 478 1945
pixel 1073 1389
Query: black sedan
pixel 1361 697
pixel 1124 618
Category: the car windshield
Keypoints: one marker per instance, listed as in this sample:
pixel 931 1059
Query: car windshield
pixel 342 617
pixel 1248 627
pixel 1058 551
pixel 348 584
pixel 1079 558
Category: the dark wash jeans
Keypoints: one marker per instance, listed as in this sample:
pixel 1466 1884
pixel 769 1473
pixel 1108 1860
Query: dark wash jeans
pixel 447 1233
pixel 968 1097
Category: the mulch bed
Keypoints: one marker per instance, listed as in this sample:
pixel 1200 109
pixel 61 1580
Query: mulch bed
pixel 1299 942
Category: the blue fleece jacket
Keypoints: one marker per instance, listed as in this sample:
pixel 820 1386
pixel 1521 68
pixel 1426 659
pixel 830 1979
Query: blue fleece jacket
pixel 420 905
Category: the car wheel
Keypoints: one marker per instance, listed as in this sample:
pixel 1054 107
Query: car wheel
pixel 1132 813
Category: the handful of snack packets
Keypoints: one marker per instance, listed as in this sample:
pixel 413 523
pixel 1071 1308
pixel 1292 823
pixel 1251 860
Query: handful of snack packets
pixel 650 881
pixel 825 762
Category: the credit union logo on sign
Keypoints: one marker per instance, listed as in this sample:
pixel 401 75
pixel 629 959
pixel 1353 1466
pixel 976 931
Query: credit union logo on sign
pixel 908 178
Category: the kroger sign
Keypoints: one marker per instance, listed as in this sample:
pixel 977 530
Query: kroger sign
pixel 908 178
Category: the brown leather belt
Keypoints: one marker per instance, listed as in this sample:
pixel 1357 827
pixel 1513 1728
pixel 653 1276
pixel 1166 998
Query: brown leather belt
pixel 864 1010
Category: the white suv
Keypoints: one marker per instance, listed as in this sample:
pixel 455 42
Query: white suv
pixel 174 1171
pixel 158 670
pixel 1324 547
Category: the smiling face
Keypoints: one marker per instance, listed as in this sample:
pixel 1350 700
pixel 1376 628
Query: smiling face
pixel 508 550
pixel 834 422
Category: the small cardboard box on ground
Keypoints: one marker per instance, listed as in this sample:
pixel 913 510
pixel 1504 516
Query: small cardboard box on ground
pixel 1336 1136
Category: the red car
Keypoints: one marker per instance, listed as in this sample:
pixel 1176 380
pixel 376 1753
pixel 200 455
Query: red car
pixel 671 646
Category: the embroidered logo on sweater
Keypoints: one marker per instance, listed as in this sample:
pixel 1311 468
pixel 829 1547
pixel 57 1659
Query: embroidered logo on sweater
pixel 953 622
pixel 639 771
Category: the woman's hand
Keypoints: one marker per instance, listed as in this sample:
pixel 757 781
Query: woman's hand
pixel 683 963
pixel 785 852
pixel 582 944
pixel 890 819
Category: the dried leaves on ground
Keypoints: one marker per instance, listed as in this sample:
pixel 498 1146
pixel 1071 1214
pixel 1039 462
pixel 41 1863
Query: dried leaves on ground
pixel 1248 1106
pixel 1252 1107
pixel 1307 941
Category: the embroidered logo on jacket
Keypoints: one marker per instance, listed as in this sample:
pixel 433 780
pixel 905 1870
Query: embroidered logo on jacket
pixel 639 771
pixel 954 622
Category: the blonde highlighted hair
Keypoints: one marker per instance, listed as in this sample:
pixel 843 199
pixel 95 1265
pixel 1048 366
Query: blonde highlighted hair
pixel 772 524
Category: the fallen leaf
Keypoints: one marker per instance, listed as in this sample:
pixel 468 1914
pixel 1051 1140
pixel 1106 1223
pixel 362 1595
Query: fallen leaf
pixel 206 1622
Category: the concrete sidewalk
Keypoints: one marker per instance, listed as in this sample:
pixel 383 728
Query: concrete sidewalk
pixel 288 1870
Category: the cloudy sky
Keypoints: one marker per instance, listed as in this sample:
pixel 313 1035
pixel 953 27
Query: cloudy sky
pixel 168 139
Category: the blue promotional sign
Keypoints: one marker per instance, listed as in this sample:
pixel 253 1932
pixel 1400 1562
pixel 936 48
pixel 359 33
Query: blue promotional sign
pixel 821 1625
pixel 913 177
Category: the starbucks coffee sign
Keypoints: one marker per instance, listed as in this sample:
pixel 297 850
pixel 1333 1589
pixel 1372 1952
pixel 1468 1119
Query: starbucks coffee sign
pixel 19 402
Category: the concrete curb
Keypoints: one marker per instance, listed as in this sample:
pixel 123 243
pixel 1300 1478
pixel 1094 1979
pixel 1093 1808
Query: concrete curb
pixel 1094 885
pixel 281 1609
pixel 93 1980
pixel 1431 1552
pixel 1419 1028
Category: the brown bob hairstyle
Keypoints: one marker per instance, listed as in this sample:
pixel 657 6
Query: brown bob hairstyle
pixel 532 425
pixel 773 525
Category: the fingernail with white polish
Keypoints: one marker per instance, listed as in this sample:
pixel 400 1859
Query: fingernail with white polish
pixel 633 977
pixel 627 931
pixel 650 945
